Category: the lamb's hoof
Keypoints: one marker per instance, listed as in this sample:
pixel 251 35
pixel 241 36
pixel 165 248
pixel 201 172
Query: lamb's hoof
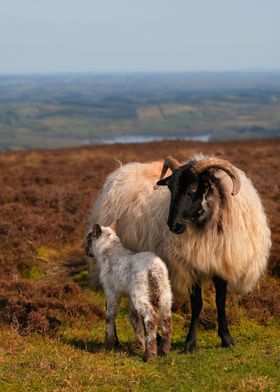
pixel 159 339
pixel 164 347
pixel 227 341
pixel 111 344
pixel 164 351
pixel 149 356
pixel 159 344
pixel 190 346
pixel 141 344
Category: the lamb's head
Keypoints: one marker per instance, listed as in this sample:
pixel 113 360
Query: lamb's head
pixel 99 237
pixel 195 191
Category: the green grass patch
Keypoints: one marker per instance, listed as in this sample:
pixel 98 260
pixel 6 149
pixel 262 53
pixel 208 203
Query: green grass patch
pixel 82 278
pixel 32 271
pixel 77 361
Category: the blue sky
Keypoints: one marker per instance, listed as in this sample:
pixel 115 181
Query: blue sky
pixel 53 36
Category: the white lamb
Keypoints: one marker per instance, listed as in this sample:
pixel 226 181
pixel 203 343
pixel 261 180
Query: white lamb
pixel 143 278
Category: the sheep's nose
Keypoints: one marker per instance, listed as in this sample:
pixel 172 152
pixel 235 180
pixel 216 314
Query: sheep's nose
pixel 177 228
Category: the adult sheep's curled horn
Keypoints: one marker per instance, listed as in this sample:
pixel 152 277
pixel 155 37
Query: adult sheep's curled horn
pixel 217 163
pixel 169 163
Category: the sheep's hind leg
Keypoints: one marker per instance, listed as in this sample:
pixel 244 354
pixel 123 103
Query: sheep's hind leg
pixel 111 339
pixel 136 322
pixel 196 306
pixel 221 293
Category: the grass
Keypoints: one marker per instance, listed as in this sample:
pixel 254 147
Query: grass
pixel 76 360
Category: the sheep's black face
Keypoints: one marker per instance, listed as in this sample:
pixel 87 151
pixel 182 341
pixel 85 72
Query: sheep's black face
pixel 188 190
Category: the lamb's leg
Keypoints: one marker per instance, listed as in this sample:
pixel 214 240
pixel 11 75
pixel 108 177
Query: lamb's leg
pixel 136 323
pixel 111 338
pixel 166 329
pixel 221 294
pixel 196 306
pixel 150 325
pixel 149 318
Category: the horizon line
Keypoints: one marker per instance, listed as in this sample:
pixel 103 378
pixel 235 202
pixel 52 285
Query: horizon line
pixel 151 72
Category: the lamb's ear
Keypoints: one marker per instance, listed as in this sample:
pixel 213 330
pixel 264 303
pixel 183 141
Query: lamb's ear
pixel 113 226
pixel 163 181
pixel 96 231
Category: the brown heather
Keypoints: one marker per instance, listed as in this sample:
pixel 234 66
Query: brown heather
pixel 45 201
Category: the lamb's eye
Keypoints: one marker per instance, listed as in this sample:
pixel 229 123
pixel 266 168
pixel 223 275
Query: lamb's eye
pixel 89 237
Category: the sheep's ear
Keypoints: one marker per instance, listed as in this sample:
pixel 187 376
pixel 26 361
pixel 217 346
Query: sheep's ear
pixel 207 184
pixel 113 226
pixel 163 181
pixel 96 231
pixel 206 180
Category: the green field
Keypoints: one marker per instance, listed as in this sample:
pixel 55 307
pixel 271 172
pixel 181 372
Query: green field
pixel 75 360
pixel 71 110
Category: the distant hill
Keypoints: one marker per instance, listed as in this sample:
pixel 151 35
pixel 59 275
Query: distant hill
pixel 71 110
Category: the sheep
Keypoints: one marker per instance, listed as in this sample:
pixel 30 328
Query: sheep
pixel 204 220
pixel 143 277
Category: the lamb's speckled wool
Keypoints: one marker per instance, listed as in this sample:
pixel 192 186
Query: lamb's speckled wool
pixel 238 254
pixel 143 278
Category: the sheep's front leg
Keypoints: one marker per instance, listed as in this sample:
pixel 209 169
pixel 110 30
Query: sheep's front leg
pixel 112 306
pixel 137 325
pixel 221 294
pixel 196 306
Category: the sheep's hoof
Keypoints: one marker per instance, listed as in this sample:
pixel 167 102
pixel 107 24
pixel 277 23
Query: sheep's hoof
pixel 190 346
pixel 227 341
